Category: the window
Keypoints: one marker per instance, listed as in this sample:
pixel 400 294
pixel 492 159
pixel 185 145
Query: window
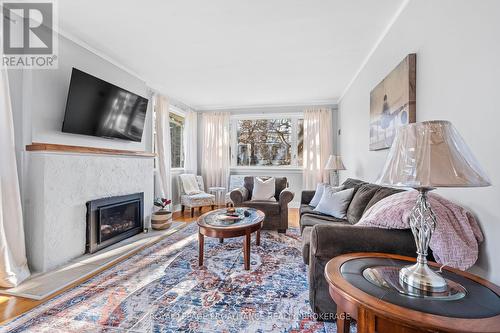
pixel 176 122
pixel 268 142
pixel 176 140
pixel 300 142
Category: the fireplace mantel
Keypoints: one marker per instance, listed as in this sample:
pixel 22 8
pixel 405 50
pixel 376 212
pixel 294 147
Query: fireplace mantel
pixel 52 147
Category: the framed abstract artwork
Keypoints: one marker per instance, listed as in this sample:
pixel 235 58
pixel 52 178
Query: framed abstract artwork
pixel 392 103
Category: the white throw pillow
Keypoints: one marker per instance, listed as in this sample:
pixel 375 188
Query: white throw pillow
pixel 335 203
pixel 320 189
pixel 264 189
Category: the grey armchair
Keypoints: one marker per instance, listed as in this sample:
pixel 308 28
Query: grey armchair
pixel 276 211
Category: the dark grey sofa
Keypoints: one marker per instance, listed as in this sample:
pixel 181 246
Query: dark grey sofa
pixel 325 237
pixel 276 211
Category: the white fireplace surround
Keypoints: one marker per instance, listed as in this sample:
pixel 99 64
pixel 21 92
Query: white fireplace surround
pixel 60 184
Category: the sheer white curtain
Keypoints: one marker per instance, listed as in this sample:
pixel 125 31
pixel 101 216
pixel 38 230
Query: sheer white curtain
pixel 190 142
pixel 163 159
pixel 13 264
pixel 215 158
pixel 318 144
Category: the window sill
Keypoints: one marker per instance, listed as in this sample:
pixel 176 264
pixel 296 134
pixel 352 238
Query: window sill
pixel 174 170
pixel 287 169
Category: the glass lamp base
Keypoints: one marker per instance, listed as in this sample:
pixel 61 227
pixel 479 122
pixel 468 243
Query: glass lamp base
pixel 420 276
pixel 388 277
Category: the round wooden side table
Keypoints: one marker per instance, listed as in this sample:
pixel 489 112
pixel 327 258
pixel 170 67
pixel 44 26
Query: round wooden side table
pixel 383 309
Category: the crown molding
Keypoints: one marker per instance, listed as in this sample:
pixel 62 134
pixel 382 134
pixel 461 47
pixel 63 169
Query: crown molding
pixel 98 53
pixel 329 102
pixel 375 47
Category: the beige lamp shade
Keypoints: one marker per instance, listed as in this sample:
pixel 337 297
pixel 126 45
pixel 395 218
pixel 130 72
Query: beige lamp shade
pixel 431 154
pixel 334 163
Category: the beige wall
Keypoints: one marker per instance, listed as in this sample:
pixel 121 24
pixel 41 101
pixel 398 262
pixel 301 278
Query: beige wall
pixel 458 79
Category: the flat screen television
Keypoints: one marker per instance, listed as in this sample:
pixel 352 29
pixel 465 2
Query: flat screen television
pixel 98 108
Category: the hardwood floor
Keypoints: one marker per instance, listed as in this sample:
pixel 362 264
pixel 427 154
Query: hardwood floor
pixel 12 306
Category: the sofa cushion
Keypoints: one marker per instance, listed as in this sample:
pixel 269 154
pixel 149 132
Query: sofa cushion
pixel 268 207
pixel 335 203
pixel 382 193
pixel 359 202
pixel 309 220
pixel 320 190
pixel 353 183
pixel 306 244
pixel 307 209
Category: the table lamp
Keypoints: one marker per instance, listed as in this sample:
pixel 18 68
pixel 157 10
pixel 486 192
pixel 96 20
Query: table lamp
pixel 334 163
pixel 424 156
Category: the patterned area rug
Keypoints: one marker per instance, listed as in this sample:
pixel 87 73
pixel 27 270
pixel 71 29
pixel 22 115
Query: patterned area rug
pixel 162 289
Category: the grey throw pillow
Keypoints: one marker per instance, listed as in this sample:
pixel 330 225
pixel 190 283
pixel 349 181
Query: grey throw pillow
pixel 335 203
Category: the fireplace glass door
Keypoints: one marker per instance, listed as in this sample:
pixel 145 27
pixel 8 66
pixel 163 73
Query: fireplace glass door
pixel 117 219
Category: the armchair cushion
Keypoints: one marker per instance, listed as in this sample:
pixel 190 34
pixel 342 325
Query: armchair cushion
pixel 280 184
pixel 198 200
pixel 268 207
pixel 276 212
pixel 263 189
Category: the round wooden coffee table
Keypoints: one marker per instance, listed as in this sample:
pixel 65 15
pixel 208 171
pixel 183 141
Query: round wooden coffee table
pixel 383 309
pixel 211 226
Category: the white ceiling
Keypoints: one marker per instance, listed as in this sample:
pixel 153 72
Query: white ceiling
pixel 232 53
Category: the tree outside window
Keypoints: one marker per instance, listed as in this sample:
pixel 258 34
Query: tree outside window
pixel 267 142
pixel 176 137
pixel 300 142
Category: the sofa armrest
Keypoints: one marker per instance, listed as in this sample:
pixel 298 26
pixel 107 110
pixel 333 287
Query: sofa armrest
pixel 306 197
pixel 328 241
pixel 239 195
pixel 285 197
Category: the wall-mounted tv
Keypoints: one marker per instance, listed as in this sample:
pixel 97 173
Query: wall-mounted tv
pixel 98 108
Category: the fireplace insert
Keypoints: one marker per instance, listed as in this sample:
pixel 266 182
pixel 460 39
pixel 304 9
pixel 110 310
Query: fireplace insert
pixel 110 220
